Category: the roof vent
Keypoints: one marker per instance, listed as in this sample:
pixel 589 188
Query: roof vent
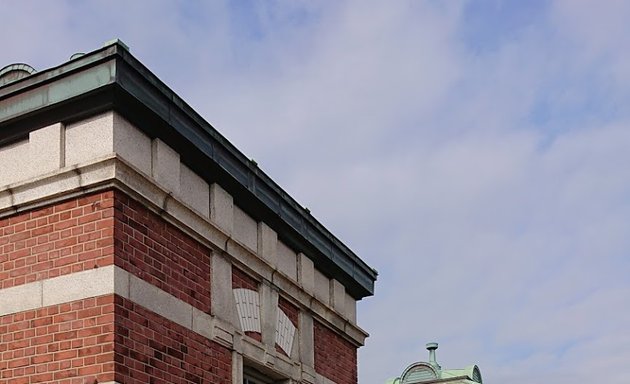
pixel 432 347
pixel 14 72
pixel 77 55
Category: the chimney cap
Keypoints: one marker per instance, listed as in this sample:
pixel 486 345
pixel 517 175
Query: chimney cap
pixel 432 346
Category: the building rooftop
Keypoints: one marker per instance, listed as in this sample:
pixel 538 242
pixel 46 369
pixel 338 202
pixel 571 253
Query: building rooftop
pixel 428 372
pixel 111 78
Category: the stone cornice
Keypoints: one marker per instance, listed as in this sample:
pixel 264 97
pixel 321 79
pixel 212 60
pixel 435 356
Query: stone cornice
pixel 113 172
pixel 112 79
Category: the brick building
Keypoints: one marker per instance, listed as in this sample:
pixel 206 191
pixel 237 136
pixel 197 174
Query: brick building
pixel 137 245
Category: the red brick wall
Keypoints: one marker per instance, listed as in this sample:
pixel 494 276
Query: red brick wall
pixel 289 309
pixel 159 253
pixel 74 342
pixel 57 240
pixel 150 346
pixel 83 233
pixel 242 280
pixel 66 343
pixel 335 357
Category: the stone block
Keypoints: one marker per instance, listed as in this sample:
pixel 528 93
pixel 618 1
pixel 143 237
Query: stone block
pixel 287 261
pixel 132 144
pixel 306 273
pixel 237 367
pixel 77 286
pixel 338 297
pixel 306 340
pixel 13 159
pixel 245 229
pixel 221 208
pixel 20 298
pixel 46 149
pixel 59 183
pixel 202 323
pixel 165 166
pixel 194 191
pixel 223 305
pixel 322 287
pixel 160 302
pixel 268 314
pixel 351 309
pixel 89 139
pixel 121 282
pixel 267 244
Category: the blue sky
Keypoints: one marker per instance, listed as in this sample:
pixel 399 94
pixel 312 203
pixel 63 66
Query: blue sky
pixel 474 152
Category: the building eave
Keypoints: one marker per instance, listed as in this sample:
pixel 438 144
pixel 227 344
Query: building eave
pixel 112 79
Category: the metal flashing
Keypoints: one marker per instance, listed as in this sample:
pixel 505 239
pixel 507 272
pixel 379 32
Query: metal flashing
pixel 111 78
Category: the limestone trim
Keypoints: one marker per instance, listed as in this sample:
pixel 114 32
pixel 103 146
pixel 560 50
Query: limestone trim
pixel 111 171
pixel 320 379
pixel 63 289
pixel 114 280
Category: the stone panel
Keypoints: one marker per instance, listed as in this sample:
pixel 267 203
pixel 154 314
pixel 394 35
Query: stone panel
pixel 132 144
pixel 14 160
pixel 338 297
pixel 351 309
pixel 245 229
pixel 287 261
pixel 194 191
pixel 165 166
pixel 46 147
pixel 221 208
pixel 322 287
pixel 89 139
pixel 267 244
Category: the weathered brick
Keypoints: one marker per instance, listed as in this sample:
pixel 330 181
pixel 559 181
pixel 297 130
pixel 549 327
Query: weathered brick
pixel 335 357
pixel 44 242
pixel 158 252
pixel 41 353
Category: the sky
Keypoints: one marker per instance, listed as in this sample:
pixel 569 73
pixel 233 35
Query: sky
pixel 474 152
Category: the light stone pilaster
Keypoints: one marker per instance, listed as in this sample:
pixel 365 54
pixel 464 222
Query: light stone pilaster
pixel 267 244
pixel 223 305
pixel 237 367
pixel 194 190
pixel 338 297
pixel 221 208
pixel 46 146
pixel 306 273
pixel 306 341
pixel 165 166
pixel 268 313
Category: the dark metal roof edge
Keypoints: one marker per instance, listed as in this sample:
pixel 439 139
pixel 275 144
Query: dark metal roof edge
pixel 48 75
